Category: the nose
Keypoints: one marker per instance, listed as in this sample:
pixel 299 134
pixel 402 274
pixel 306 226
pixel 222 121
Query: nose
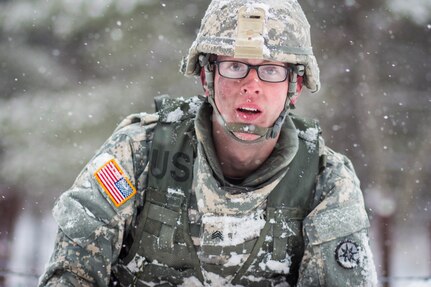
pixel 251 85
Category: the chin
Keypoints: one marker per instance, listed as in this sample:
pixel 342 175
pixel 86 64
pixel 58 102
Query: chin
pixel 246 137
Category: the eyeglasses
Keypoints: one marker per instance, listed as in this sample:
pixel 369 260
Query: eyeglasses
pixel 239 70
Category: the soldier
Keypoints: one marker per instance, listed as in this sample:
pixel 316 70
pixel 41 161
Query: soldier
pixel 228 189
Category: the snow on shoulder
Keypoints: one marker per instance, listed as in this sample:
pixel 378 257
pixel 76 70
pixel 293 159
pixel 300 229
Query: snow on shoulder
pixel 184 108
pixel 174 116
pixel 310 137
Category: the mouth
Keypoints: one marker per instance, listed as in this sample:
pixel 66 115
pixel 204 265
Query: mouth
pixel 249 110
pixel 248 113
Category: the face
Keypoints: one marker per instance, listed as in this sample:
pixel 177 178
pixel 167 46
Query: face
pixel 249 100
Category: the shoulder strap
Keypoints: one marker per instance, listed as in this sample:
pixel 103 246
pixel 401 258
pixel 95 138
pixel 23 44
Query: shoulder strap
pixel 169 180
pixel 173 147
pixel 159 100
pixel 171 165
pixel 295 189
pixel 173 110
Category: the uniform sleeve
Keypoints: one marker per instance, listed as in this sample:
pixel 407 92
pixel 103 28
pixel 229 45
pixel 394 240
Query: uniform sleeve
pixel 91 222
pixel 337 251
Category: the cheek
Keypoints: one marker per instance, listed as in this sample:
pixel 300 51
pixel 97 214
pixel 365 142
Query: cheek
pixel 223 90
pixel 279 99
pixel 219 93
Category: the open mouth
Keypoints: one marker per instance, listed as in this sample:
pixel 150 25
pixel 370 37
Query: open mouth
pixel 248 110
pixel 249 113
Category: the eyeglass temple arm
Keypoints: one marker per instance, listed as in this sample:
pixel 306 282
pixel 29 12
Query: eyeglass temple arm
pixel 297 70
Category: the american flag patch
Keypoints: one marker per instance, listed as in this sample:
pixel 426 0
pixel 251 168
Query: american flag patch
pixel 113 181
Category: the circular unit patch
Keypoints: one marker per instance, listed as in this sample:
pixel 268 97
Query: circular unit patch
pixel 347 254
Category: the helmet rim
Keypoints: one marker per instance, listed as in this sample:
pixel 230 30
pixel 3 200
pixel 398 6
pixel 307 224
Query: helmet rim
pixel 220 30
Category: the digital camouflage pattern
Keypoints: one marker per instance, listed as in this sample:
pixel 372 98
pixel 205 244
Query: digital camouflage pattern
pixel 92 229
pixel 265 29
pixel 96 234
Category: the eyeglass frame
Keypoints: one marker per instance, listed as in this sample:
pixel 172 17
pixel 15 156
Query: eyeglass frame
pixel 254 67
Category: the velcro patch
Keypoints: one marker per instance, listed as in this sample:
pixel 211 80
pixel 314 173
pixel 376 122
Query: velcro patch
pixel 348 254
pixel 115 183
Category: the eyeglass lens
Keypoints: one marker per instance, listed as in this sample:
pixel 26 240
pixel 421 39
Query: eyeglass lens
pixel 239 70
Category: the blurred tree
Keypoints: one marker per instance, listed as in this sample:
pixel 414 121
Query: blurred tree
pixel 10 203
pixel 70 69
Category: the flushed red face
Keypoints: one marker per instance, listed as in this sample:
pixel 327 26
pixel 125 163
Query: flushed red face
pixel 249 100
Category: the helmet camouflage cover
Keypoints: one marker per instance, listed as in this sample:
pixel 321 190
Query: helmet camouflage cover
pixel 275 30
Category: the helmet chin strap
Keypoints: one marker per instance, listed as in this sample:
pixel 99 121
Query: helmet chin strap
pixel 263 132
pixel 297 70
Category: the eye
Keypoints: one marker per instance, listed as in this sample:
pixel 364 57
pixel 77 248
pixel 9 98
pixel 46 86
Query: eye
pixel 271 70
pixel 236 66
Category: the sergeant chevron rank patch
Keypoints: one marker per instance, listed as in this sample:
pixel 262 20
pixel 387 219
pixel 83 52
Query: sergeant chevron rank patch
pixel 217 234
pixel 115 183
pixel 347 254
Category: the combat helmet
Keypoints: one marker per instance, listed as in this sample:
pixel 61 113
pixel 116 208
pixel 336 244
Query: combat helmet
pixel 274 30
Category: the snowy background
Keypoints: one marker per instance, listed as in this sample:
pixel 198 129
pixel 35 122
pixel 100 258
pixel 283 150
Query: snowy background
pixel 70 70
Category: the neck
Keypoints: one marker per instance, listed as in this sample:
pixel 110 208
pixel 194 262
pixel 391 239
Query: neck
pixel 237 159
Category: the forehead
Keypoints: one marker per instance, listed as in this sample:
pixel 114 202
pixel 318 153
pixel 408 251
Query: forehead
pixel 249 61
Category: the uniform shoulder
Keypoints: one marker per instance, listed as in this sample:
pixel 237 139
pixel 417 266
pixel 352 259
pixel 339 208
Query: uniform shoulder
pixel 138 126
pixel 172 110
pixel 337 164
pixel 337 185
pixel 110 187
pixel 338 208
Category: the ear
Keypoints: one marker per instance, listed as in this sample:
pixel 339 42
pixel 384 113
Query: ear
pixel 204 82
pixel 299 85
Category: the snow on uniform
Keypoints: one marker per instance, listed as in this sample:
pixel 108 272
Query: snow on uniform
pixel 99 240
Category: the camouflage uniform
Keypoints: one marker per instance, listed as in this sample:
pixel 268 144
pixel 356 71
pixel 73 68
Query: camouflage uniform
pixel 109 226
pixel 92 228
